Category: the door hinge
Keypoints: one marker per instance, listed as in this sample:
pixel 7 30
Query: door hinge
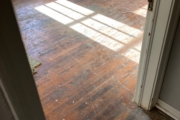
pixel 150 6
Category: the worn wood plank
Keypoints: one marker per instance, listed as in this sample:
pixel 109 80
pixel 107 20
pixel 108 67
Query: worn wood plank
pixel 83 76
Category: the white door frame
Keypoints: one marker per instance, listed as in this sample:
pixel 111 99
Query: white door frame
pixel 159 33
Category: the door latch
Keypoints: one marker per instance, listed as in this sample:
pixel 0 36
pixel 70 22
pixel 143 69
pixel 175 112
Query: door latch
pixel 150 6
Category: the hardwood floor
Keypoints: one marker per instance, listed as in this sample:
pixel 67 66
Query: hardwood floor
pixel 89 51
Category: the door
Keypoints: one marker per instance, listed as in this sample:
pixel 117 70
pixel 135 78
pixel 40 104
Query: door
pixel 169 98
pixel 16 79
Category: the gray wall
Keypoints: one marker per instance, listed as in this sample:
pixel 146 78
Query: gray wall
pixel 5 112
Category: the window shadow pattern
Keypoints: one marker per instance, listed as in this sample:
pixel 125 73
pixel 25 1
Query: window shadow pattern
pixel 89 52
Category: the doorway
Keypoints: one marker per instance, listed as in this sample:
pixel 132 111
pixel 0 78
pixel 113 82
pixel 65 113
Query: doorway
pixel 89 53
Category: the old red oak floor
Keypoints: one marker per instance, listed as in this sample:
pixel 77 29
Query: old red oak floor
pixel 90 52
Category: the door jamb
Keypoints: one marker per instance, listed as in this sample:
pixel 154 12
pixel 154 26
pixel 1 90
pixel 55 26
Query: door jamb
pixel 154 55
pixel 15 73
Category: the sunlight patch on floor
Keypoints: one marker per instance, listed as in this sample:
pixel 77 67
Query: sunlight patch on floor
pixel 117 25
pixel 53 14
pixel 70 13
pixel 97 37
pixel 141 11
pixel 75 7
pixel 106 31
pixel 132 55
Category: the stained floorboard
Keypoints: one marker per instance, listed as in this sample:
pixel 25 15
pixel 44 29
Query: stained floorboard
pixel 90 52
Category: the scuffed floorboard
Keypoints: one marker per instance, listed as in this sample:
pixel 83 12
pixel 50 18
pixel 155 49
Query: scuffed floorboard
pixel 90 51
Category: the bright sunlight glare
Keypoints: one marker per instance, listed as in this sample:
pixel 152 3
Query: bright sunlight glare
pixel 53 14
pixel 106 31
pixel 70 13
pixel 75 7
